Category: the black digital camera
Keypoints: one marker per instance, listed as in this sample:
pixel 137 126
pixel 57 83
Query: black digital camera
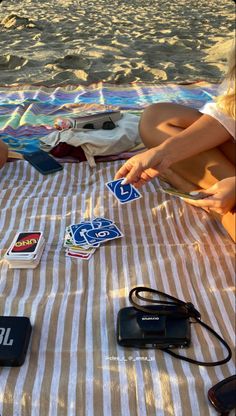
pixel 161 328
pixel 164 326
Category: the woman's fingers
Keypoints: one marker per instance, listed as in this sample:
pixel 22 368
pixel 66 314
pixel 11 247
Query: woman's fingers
pixel 200 202
pixel 134 174
pixel 131 171
pixel 210 204
pixel 122 172
pixel 140 169
pixel 140 183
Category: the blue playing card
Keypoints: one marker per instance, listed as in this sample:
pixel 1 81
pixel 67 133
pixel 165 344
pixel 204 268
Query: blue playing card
pixel 101 222
pixel 124 193
pixel 100 235
pixel 78 231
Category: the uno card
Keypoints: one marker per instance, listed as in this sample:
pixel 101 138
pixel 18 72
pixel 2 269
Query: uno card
pixel 124 193
pixel 25 244
pixel 79 256
pixel 81 249
pixel 102 234
pixel 180 194
pixel 68 241
pixel 26 260
pixel 82 239
pixel 78 230
pixel 101 222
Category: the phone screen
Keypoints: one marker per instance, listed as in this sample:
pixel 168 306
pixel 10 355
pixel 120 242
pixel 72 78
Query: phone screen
pixel 43 162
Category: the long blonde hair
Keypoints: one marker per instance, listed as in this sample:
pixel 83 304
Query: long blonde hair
pixel 226 102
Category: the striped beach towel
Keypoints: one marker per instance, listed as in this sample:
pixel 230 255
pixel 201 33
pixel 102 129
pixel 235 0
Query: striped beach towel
pixel 74 366
pixel 27 113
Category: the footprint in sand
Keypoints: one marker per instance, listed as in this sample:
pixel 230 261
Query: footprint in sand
pixel 72 62
pixel 13 21
pixel 12 62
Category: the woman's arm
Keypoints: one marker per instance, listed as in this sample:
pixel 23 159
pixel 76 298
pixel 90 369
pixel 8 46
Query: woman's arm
pixel 3 153
pixel 204 134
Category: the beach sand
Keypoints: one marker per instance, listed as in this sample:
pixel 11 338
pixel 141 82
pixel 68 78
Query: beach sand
pixel 81 42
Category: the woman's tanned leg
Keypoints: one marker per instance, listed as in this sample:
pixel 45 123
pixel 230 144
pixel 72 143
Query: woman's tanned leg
pixel 163 120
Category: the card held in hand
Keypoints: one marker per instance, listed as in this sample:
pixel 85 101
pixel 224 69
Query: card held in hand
pixel 124 193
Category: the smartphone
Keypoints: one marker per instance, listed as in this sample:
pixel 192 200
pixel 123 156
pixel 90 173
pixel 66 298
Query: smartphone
pixel 223 395
pixel 43 162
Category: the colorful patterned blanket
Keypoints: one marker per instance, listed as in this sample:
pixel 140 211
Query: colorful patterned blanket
pixel 28 112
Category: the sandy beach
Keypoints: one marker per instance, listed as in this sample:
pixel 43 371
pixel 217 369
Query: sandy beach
pixel 81 42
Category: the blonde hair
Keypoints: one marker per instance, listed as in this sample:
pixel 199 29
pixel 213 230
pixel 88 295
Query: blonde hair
pixel 226 102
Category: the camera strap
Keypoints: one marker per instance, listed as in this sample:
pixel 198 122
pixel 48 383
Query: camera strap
pixel 179 309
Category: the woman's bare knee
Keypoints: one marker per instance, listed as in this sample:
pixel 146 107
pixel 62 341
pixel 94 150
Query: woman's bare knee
pixel 162 120
pixel 151 124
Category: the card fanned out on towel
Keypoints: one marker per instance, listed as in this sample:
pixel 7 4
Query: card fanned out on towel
pixel 82 239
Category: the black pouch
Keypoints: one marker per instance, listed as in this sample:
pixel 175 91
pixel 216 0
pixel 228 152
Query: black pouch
pixel 14 340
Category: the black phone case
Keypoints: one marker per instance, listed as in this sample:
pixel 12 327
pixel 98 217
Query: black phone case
pixel 43 162
pixel 222 395
pixel 14 340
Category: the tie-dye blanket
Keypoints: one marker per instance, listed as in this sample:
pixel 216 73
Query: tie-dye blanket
pixel 27 113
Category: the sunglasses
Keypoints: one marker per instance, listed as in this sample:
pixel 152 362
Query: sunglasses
pixel 223 395
pixel 107 125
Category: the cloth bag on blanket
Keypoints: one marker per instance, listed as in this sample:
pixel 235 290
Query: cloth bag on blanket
pixel 98 142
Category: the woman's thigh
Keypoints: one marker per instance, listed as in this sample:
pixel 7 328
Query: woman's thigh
pixel 229 150
pixel 162 120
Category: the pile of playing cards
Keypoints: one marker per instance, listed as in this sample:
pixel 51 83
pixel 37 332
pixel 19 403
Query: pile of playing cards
pixel 26 250
pixel 82 239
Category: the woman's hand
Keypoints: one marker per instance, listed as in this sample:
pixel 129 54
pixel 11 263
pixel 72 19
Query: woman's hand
pixel 143 167
pixel 222 198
